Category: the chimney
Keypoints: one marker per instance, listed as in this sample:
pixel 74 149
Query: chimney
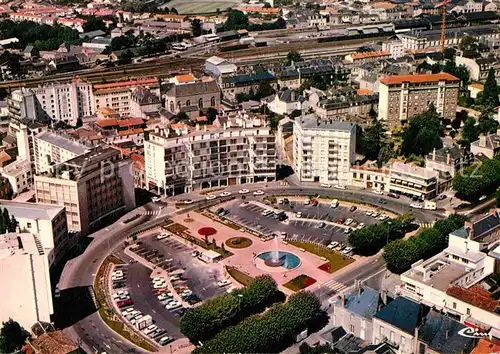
pixel 434 154
pixel 383 296
pixel 447 334
pixel 360 289
pixel 448 158
pixel 343 301
pixel 470 226
pixel 482 140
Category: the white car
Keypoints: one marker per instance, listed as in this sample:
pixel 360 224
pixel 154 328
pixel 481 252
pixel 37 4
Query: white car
pixel 283 235
pixel 155 199
pixel 243 191
pixel 159 286
pixel 307 202
pixel 378 192
pixel 225 194
pixel 186 293
pixel 223 282
pixel 338 186
pixel 326 185
pixel 332 245
pixel 188 201
pixel 348 222
pixel 347 230
pixel 360 226
pixel 211 197
pixel 416 205
pixel 162 236
pixel 368 212
pixel 347 250
pixel 259 192
pixel 383 217
pixel 335 203
pixel 298 214
pixel 375 214
pixel 173 305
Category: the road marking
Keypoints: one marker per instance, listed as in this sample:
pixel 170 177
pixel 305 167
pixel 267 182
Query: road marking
pixel 153 311
pixel 107 346
pixel 138 286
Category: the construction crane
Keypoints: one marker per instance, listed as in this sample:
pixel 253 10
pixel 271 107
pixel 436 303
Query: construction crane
pixel 443 23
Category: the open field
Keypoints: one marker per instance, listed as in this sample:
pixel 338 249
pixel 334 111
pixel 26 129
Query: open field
pixel 189 7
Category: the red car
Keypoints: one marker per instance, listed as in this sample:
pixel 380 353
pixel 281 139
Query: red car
pixel 314 202
pixel 124 303
pixel 340 221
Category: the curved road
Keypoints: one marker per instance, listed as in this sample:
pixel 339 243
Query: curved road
pixel 94 335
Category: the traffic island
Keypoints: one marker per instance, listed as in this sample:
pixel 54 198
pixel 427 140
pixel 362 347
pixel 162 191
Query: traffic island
pixel 300 282
pixel 238 242
pixel 106 310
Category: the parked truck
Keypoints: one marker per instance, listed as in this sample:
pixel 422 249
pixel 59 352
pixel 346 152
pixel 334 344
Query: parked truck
pixel 144 322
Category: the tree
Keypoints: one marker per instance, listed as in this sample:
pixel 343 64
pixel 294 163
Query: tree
pixel 470 132
pixel 423 133
pixel 265 89
pixel 12 336
pixel 374 139
pixel 94 23
pixel 196 27
pixel 5 223
pixel 236 20
pixel 174 11
pixel 211 114
pixel 490 92
pixel 466 42
pixel 293 56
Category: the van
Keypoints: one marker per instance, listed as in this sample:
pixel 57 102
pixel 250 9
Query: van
pixel 334 204
pixel 267 212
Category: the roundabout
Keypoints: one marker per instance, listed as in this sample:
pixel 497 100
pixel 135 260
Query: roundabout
pixel 238 242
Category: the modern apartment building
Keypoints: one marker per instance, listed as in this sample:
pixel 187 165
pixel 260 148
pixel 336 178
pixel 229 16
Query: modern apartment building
pixel 54 102
pixel 403 96
pixel 323 150
pixel 20 175
pixel 95 188
pixel 242 151
pixel 118 95
pixel 47 222
pixel 25 274
pixel 51 149
pixel 448 281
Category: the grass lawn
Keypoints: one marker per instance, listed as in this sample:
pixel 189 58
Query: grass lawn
pixel 106 311
pixel 300 282
pixel 335 261
pixel 238 242
pixel 201 7
pixel 240 277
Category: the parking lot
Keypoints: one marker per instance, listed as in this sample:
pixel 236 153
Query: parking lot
pixel 307 227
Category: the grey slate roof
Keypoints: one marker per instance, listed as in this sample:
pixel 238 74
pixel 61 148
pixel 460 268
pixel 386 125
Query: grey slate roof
pixel 311 122
pixel 481 227
pixel 365 305
pixel 440 333
pixel 194 88
pixel 402 313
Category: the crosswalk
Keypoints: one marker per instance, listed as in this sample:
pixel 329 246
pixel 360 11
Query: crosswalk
pixel 333 286
pixel 426 225
pixel 152 212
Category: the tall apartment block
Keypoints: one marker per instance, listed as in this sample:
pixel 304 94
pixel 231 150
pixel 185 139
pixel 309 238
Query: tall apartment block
pixel 403 96
pixel 95 187
pixel 323 150
pixel 55 102
pixel 204 159
pixel 52 149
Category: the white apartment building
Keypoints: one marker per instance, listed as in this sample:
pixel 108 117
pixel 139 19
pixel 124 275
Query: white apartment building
pixel 26 290
pixel 65 102
pixel 395 48
pixel 323 150
pixel 51 149
pixel 22 105
pixel 396 177
pixel 118 95
pixel 95 188
pixel 242 151
pixel 47 222
pixel 448 280
pixel 20 175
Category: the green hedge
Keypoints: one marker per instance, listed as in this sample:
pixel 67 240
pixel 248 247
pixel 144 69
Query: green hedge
pixel 271 332
pixel 401 254
pixel 370 239
pixel 204 322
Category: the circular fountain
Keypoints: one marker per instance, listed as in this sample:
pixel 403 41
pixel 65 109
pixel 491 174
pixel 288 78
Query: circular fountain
pixel 278 260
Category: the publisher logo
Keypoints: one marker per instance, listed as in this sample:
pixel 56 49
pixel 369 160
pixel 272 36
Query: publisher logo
pixel 470 332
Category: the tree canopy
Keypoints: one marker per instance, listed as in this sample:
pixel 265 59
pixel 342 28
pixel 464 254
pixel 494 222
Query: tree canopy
pixel 490 92
pixel 477 180
pixel 374 143
pixel 94 23
pixel 236 20
pixel 196 27
pixel 12 336
pixel 401 254
pixel 293 56
pixel 423 133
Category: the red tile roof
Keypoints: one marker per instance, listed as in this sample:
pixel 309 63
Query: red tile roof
pixel 474 297
pixel 486 347
pixel 130 122
pixel 417 78
pixel 104 123
pixel 130 132
pixel 365 55
pixel 146 81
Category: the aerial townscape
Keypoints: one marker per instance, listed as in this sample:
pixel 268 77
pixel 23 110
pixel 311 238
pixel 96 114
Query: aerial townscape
pixel 250 176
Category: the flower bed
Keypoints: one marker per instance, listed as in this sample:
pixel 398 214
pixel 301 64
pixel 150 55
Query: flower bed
pixel 207 231
pixel 238 242
pixel 300 282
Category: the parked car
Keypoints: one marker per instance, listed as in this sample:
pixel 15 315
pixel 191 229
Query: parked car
pixel 340 221
pixel 392 195
pixel 223 282
pixel 225 194
pixel 334 203
pixel 441 197
pixel 326 185
pixel 348 222
pixel 243 191
pixel 332 245
pixel 162 236
pixel 368 212
pixel 416 205
pixel 382 201
pixel 211 197
pixel 338 186
pixel 173 305
pixel 378 192
pixel 188 201
pixel 314 202
pixel 347 230
pixel 321 225
pixel 353 208
pixel 298 214
pixel 259 192
pixel 219 211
